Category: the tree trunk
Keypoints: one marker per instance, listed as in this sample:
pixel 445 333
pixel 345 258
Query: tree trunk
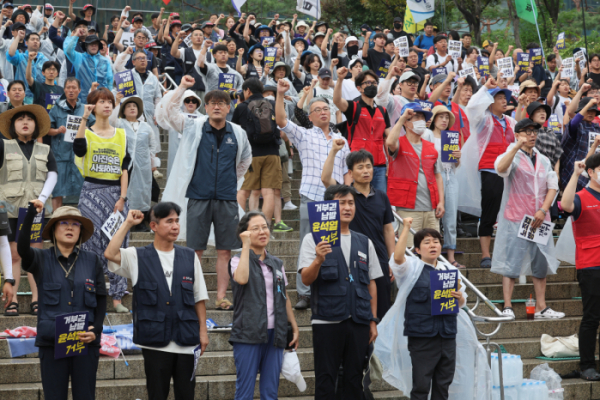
pixel 515 21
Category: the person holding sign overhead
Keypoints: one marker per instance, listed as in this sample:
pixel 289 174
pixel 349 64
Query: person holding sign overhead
pixel 103 160
pixel 344 301
pixel 70 279
pixel 26 167
pixel 530 185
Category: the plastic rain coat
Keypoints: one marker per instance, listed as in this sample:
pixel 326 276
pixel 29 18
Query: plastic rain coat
pixel 525 190
pixel 482 125
pixel 88 68
pixel 473 377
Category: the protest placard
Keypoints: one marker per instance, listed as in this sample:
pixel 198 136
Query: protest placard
pixel 535 57
pixel 270 53
pixel 426 105
pixel 591 138
pixel 438 71
pixel 127 40
pixel 50 100
pixel 554 124
pixel 197 354
pixel 226 81
pixel 538 235
pixel 112 224
pixel 568 66
pixel 402 44
pixel 188 41
pixel 267 41
pixel 506 67
pixel 125 83
pixel 454 48
pixel 560 41
pixel 324 219
pixel 73 123
pixel 383 69
pixel 450 143
pixel 483 65
pixel 580 55
pixel 68 327
pixel 469 71
pixel 523 60
pixel 442 283
pixel 36 227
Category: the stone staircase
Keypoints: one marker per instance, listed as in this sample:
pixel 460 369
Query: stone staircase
pixel 215 375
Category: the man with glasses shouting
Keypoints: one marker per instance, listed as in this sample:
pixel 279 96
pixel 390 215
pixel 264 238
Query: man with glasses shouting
pixel 313 146
pixel 368 123
pixel 140 39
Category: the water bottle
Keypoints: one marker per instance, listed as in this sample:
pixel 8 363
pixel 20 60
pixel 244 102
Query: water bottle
pixel 536 391
pixel 523 394
pixel 544 391
pixel 495 377
pixel 518 370
pixel 495 392
pixel 506 369
pixel 510 393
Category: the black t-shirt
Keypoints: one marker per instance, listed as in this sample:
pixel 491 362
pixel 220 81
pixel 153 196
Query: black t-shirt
pixel 40 90
pixel 594 77
pixel 375 57
pixel 27 149
pixel 219 133
pixel 240 117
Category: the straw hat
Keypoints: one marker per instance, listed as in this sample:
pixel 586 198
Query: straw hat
pixel 529 84
pixel 442 109
pixel 67 212
pixel 42 119
pixel 131 99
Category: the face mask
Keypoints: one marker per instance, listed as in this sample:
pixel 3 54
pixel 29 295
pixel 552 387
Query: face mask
pixel 270 98
pixel 371 91
pixel 352 50
pixel 419 127
pixel 398 26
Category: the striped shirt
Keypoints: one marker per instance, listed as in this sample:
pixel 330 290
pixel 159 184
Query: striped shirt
pixel 313 148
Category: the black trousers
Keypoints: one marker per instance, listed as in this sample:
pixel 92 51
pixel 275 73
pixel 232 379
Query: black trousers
pixel 589 282
pixel 384 295
pixel 81 369
pixel 344 343
pixel 433 364
pixel 161 366
pixel 492 187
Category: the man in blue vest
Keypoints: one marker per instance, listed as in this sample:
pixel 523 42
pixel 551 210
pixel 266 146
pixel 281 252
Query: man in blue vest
pixel 168 303
pixel 140 38
pixel 343 302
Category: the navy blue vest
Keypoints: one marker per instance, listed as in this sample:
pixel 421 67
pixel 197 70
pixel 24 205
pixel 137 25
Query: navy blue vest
pixel 334 296
pixel 251 71
pixel 418 321
pixel 159 315
pixel 150 58
pixel 215 172
pixel 57 298
pixel 190 68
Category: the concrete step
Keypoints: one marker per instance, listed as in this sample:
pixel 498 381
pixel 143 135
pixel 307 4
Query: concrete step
pixel 483 276
pixel 523 328
pixel 572 308
pixel 560 290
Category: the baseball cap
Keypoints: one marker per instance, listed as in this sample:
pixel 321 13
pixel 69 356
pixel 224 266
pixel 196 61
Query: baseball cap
pixel 410 75
pixel 16 26
pixel 175 22
pixel 526 123
pixel 495 91
pixel 437 79
pixel 350 39
pixel 49 6
pixel 377 28
pixel 186 27
pixel 486 43
pixel 207 24
pixel 582 103
pixel 138 18
pixel 174 15
pixel 416 107
pixel 398 19
pixel 26 6
pixel 8 5
pixel 324 73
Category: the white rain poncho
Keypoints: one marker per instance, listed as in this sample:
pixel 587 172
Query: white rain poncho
pixel 472 378
pixel 482 125
pixel 174 135
pixel 565 245
pixel 185 160
pixel 5 66
pixel 88 68
pixel 525 190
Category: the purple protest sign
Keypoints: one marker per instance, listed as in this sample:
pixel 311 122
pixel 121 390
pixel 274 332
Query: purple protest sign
pixel 68 327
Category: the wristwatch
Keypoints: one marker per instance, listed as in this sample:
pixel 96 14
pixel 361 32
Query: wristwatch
pixel 11 281
pixel 124 198
pixel 376 320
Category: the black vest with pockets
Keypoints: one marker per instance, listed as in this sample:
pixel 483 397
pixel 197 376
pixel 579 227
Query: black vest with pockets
pixel 159 315
pixel 189 68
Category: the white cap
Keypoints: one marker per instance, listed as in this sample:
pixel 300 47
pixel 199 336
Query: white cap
pixel 290 369
pixel 409 74
pixel 301 23
pixel 350 39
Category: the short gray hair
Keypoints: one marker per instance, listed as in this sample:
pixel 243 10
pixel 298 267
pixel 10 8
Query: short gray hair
pixel 317 100
pixel 142 31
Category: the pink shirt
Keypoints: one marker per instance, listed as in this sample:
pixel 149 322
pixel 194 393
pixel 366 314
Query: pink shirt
pixel 268 285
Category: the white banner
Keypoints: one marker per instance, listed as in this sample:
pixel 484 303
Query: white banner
pixel 421 9
pixel 237 4
pixel 309 7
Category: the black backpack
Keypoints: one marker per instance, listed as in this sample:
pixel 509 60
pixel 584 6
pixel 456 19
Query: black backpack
pixel 261 126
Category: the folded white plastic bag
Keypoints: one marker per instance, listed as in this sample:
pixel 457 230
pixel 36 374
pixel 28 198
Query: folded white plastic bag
pixel 290 369
pixel 559 347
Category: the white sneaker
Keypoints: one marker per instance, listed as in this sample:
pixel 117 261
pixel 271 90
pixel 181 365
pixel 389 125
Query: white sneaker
pixel 548 313
pixel 508 311
pixel 157 174
pixel 289 206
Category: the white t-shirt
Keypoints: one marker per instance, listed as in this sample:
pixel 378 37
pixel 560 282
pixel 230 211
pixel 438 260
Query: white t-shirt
pixel 129 270
pixel 328 94
pixel 308 253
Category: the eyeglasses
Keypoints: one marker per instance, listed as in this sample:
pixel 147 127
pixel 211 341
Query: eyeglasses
pixel 319 110
pixel 530 132
pixel 217 104
pixel 67 224
pixel 142 38
pixel 187 101
pixel 258 229
pixel 140 59
pixel 411 83
pixel 369 83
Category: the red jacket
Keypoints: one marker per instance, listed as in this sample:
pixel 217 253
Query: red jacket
pixel 586 230
pixel 368 133
pixel 499 142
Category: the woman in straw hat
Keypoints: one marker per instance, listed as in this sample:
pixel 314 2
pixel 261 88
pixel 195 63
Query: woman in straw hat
pixel 27 171
pixel 70 280
pixel 102 158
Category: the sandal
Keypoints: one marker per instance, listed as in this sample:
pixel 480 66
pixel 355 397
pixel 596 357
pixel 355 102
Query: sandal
pixel 457 265
pixel 12 306
pixel 486 262
pixel 34 308
pixel 224 305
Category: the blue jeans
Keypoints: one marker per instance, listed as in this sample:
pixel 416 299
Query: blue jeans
pixel 252 358
pixel 451 206
pixel 379 181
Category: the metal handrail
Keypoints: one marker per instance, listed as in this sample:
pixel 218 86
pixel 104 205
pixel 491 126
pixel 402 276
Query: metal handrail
pixel 163 78
pixel 501 318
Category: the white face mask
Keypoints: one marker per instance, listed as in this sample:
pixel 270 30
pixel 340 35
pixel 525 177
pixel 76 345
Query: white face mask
pixel 419 127
pixel 270 98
